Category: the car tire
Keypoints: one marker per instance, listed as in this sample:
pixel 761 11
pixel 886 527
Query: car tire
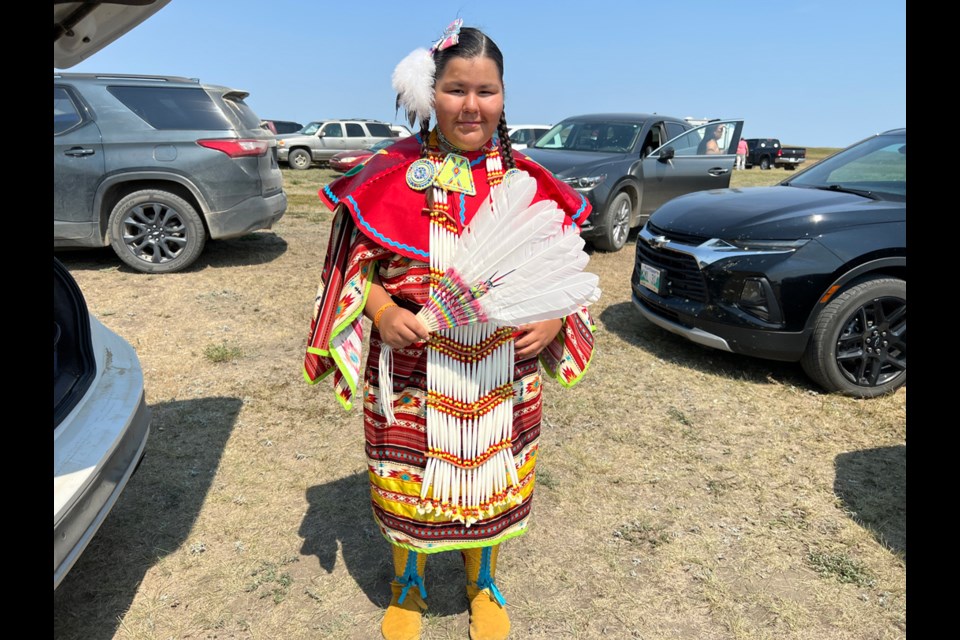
pixel 616 224
pixel 859 341
pixel 299 159
pixel 764 164
pixel 155 231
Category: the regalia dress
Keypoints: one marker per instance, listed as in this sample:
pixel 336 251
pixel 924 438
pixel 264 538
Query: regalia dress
pixel 383 225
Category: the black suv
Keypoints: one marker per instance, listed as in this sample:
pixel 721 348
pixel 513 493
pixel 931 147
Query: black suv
pixel 628 164
pixel 155 165
pixel 813 269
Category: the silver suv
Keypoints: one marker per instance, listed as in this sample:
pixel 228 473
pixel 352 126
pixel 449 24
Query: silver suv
pixel 320 140
pixel 155 165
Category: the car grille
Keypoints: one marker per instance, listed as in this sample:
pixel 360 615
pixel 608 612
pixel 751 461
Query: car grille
pixel 684 279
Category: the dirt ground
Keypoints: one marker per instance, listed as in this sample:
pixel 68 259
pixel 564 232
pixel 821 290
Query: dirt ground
pixel 682 493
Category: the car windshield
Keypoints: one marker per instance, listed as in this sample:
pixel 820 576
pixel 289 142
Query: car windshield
pixel 875 167
pixel 311 128
pixel 603 137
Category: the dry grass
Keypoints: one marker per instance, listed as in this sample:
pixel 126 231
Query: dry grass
pixel 684 493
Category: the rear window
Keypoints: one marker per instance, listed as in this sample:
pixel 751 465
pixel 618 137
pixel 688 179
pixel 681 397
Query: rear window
pixel 173 108
pixel 65 114
pixel 379 130
pixel 245 114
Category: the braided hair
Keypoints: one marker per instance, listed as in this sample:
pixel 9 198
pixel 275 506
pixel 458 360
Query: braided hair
pixel 473 43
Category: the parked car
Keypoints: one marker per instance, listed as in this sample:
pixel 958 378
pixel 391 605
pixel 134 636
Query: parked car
pixel 811 270
pixel 347 160
pixel 767 153
pixel 320 140
pixel 101 422
pixel 153 166
pixel 400 131
pixel 524 135
pixel 282 126
pixel 627 165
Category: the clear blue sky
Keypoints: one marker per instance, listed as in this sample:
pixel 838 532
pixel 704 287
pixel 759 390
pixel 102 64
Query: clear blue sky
pixel 819 73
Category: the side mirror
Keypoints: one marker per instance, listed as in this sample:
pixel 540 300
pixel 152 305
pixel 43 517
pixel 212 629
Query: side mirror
pixel 320 134
pixel 666 154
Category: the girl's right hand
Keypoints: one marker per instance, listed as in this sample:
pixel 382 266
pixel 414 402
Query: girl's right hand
pixel 400 328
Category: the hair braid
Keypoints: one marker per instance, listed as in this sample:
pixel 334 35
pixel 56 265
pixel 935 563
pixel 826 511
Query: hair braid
pixel 506 149
pixel 424 137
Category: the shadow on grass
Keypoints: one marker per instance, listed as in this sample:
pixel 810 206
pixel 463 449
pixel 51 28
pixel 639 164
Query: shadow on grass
pixel 255 248
pixel 872 484
pixel 152 517
pixel 625 321
pixel 339 515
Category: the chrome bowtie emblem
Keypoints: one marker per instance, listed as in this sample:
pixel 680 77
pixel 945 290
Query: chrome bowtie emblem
pixel 657 242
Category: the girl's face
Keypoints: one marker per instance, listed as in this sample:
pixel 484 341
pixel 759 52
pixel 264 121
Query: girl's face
pixel 468 99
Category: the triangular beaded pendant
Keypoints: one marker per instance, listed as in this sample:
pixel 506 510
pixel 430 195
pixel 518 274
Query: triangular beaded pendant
pixel 455 175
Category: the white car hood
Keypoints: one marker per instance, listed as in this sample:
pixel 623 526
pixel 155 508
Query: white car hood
pixel 80 29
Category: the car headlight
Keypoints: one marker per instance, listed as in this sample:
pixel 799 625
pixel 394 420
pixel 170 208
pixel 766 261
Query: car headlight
pixel 588 182
pixel 770 245
pixel 347 159
pixel 281 143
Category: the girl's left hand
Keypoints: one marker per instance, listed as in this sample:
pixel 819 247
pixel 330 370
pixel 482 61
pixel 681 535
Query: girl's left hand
pixel 535 337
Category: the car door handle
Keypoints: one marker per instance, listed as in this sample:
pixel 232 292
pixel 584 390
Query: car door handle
pixel 78 152
pixel 718 171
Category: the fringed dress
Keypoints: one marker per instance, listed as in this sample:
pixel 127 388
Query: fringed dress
pixel 381 225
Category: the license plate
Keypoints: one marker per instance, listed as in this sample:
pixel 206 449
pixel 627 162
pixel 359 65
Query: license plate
pixel 650 277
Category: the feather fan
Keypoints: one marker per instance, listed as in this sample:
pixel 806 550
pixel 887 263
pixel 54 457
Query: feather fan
pixel 515 263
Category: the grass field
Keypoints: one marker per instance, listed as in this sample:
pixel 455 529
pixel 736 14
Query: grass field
pixel 683 493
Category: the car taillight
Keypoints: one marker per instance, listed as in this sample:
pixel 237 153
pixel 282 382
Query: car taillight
pixel 779 152
pixel 237 148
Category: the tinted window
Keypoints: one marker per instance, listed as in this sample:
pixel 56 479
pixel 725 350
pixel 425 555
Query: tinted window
pixel 333 130
pixel 674 129
pixel 173 108
pixel 355 131
pixel 379 130
pixel 65 113
pixel 520 136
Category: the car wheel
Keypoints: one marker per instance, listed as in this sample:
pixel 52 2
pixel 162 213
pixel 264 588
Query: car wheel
pixel 616 224
pixel 155 231
pixel 764 164
pixel 299 159
pixel 859 341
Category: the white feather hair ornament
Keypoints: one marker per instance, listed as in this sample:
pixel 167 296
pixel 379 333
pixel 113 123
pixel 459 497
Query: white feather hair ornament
pixel 413 81
pixel 515 263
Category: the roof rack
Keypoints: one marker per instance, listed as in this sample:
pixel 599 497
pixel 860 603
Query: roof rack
pixel 126 76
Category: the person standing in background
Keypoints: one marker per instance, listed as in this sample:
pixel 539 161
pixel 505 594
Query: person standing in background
pixel 742 151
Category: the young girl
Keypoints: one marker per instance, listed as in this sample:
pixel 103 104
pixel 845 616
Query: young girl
pixel 429 492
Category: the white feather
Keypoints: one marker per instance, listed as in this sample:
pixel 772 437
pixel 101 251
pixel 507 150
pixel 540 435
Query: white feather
pixel 413 81
pixel 539 262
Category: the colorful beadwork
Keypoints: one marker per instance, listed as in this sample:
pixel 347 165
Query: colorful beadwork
pixel 420 174
pixel 455 175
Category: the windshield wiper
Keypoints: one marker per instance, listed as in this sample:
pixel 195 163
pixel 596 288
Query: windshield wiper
pixel 842 189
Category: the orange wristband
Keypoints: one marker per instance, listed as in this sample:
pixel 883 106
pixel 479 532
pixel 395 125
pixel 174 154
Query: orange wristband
pixel 376 316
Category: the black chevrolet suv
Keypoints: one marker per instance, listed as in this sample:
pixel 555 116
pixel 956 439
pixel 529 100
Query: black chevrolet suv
pixel 813 269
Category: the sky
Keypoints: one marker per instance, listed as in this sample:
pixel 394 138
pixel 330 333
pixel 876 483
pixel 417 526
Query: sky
pixel 812 73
